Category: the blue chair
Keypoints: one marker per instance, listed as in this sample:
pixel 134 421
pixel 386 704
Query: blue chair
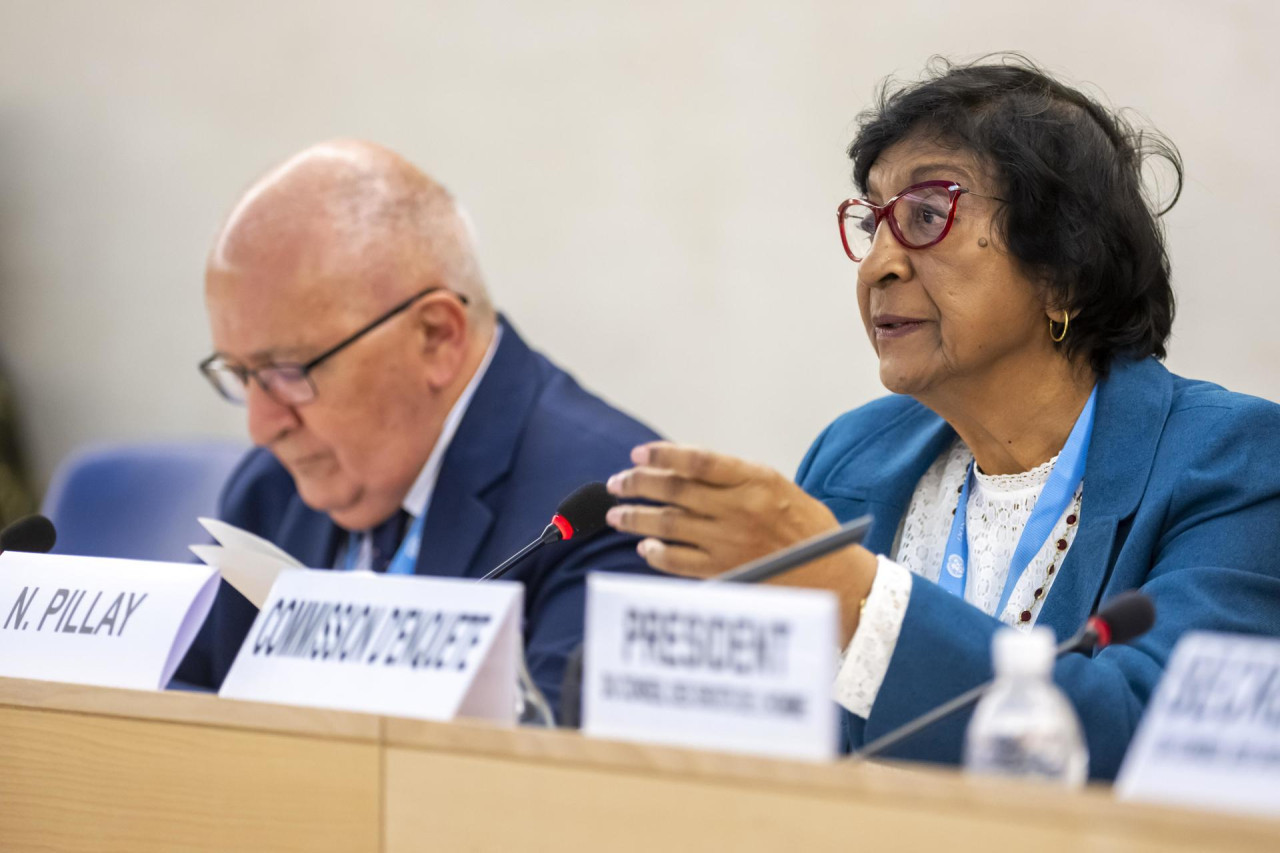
pixel 138 501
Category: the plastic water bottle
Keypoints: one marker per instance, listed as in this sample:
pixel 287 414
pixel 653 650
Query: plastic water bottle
pixel 1025 727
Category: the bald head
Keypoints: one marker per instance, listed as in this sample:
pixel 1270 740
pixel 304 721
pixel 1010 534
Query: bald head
pixel 357 219
pixel 335 270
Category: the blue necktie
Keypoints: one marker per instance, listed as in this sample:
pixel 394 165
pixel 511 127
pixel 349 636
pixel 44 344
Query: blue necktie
pixel 385 539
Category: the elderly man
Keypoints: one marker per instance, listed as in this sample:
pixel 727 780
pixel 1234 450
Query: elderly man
pixel 392 406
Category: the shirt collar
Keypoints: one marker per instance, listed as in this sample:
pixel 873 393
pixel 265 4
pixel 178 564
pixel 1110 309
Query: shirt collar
pixel 418 500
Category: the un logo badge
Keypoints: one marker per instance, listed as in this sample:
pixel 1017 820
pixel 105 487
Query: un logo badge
pixel 955 566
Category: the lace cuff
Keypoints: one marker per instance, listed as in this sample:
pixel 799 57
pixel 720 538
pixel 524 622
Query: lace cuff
pixel 866 659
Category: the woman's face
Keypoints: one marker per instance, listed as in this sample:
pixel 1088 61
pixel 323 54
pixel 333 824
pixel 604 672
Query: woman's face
pixel 959 310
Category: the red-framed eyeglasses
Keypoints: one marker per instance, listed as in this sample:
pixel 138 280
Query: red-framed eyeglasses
pixel 919 217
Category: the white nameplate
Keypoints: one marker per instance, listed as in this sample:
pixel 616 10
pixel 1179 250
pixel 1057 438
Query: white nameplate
pixel 92 620
pixel 1211 735
pixel 716 666
pixel 405 646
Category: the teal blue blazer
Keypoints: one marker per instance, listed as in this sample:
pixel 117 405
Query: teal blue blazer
pixel 1181 500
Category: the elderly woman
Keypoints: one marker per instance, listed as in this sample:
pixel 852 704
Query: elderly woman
pixel 1035 457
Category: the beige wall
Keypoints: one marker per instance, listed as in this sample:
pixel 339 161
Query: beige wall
pixel 655 183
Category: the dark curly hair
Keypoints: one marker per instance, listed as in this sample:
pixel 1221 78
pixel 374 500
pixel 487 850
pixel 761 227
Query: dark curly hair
pixel 1077 217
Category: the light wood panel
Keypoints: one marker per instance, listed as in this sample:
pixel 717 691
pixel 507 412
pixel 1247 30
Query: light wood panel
pixel 75 780
pixel 191 707
pixel 468 802
pixel 93 769
pixel 479 801
pixel 559 771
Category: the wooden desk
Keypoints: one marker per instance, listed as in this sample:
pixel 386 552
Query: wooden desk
pixel 94 769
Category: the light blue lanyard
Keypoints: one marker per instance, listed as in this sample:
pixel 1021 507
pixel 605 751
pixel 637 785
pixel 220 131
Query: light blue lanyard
pixel 1054 499
pixel 406 558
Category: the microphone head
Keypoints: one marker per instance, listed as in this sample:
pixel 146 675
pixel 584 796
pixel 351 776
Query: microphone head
pixel 1127 616
pixel 32 533
pixel 582 512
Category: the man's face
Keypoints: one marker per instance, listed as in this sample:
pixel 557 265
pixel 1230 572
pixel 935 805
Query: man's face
pixel 355 450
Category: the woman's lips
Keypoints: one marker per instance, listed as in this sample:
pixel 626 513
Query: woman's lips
pixel 890 326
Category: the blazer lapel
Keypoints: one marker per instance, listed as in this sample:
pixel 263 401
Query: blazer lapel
pixel 480 454
pixel 880 474
pixel 1133 404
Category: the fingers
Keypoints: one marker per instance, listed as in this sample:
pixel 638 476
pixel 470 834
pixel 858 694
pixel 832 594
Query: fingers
pixel 677 559
pixel 697 480
pixel 713 512
pixel 694 463
pixel 665 522
pixel 663 486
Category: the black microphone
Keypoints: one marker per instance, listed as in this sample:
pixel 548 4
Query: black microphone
pixel 1125 617
pixel 579 515
pixel 33 534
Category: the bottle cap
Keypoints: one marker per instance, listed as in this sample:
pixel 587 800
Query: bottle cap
pixel 1023 654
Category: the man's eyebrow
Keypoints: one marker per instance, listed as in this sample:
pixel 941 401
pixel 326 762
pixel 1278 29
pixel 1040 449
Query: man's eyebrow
pixel 281 355
pixel 261 358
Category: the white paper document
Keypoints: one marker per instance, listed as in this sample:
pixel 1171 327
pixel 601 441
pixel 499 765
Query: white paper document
pixel 249 563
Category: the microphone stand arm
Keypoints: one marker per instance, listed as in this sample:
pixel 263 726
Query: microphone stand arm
pixel 771 565
pixel 880 744
pixel 1081 642
pixel 550 534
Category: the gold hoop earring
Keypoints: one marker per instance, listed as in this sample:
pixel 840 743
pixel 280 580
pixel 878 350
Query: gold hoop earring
pixel 1066 319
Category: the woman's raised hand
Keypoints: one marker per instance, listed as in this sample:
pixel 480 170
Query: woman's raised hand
pixel 717 512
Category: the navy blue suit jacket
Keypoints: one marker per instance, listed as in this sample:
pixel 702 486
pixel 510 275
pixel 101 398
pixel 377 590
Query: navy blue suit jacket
pixel 1181 500
pixel 529 437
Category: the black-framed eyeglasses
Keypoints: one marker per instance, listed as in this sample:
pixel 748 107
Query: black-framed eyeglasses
pixel 919 217
pixel 290 384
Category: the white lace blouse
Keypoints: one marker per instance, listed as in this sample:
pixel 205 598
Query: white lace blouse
pixel 999 507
